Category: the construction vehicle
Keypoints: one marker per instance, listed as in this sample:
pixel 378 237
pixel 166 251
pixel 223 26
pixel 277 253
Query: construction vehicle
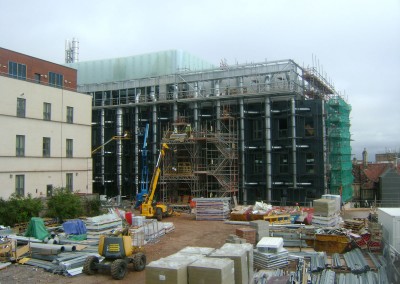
pixel 144 183
pixel 117 252
pixel 149 207
pixel 126 136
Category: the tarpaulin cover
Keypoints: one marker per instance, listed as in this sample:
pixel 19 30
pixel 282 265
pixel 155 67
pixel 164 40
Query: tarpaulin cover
pixel 37 229
pixel 74 227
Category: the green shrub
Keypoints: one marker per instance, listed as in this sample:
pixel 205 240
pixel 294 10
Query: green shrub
pixel 18 209
pixel 64 204
pixel 92 207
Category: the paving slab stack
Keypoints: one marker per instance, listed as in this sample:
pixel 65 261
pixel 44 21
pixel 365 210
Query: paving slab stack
pixel 261 227
pixel 270 254
pixel 326 212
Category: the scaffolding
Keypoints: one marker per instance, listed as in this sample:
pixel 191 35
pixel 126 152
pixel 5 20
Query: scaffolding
pixel 339 150
pixel 200 163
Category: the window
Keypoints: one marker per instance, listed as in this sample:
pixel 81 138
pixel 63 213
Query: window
pixel 49 190
pixel 70 114
pixel 69 181
pixel 46 146
pixel 20 185
pixel 17 70
pixel 284 163
pixel 310 163
pixel 283 127
pixel 257 129
pixel 20 146
pixel 55 79
pixel 46 111
pixel 70 148
pixel 258 165
pixel 36 78
pixel 309 127
pixel 21 106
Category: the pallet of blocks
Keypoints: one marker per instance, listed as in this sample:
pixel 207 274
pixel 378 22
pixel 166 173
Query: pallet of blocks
pixel 212 208
pixel 325 213
pixel 211 270
pixel 250 256
pixel 249 234
pixel 261 227
pixel 172 269
pixel 239 257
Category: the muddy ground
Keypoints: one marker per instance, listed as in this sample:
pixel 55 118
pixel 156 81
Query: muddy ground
pixel 188 232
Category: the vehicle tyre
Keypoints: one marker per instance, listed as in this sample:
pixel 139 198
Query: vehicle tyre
pixel 170 212
pixel 89 267
pixel 159 214
pixel 139 261
pixel 118 269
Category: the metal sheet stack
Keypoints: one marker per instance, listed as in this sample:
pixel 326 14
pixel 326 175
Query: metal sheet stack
pixel 212 208
pixel 102 224
pixel 261 227
pixel 270 254
pixel 325 213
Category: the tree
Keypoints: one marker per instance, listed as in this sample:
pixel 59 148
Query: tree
pixel 64 204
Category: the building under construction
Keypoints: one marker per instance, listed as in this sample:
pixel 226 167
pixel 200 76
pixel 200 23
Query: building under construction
pixel 271 131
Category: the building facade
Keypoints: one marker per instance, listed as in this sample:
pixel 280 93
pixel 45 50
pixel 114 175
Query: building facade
pixel 254 131
pixel 46 127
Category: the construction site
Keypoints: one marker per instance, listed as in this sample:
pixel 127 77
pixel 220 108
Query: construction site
pixel 250 165
pixel 272 131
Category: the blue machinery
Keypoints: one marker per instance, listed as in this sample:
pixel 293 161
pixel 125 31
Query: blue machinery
pixel 144 182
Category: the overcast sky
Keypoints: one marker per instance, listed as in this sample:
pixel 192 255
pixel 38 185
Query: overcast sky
pixel 356 42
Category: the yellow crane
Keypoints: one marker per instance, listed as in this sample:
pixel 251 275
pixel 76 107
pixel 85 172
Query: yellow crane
pixel 149 207
pixel 124 137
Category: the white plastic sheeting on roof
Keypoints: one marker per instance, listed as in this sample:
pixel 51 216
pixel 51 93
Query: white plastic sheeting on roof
pixel 138 66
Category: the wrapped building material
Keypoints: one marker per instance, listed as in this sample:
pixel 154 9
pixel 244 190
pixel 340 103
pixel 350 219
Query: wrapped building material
pixel 249 250
pixel 212 270
pixel 262 228
pixel 197 250
pixel 170 270
pixel 239 256
pixel 324 207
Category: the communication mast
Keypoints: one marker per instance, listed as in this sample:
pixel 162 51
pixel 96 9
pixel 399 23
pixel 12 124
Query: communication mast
pixel 71 51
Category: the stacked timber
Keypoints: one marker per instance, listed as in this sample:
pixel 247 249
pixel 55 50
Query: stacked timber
pixel 356 226
pixel 212 208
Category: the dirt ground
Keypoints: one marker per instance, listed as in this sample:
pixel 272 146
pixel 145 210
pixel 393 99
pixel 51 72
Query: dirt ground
pixel 188 232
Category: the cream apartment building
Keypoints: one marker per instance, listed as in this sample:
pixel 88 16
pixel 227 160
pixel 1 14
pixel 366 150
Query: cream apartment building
pixel 45 128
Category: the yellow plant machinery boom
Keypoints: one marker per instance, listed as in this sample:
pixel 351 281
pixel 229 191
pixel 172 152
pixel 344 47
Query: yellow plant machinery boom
pixel 149 207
